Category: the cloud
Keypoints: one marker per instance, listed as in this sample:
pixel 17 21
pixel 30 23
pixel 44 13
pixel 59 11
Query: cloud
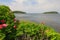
pixel 16 5
pixel 35 5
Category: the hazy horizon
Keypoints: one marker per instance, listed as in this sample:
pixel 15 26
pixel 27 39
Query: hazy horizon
pixel 32 6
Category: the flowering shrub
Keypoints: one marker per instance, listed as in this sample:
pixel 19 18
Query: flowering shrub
pixel 7 24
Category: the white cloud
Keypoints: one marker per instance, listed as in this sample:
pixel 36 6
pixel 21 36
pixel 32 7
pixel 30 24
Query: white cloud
pixel 41 6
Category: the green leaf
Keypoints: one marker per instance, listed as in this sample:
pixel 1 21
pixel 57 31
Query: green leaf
pixel 19 33
pixel 2 36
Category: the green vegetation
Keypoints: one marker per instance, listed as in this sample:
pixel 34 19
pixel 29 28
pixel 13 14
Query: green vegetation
pixel 52 12
pixel 7 23
pixel 19 12
pixel 12 29
pixel 33 31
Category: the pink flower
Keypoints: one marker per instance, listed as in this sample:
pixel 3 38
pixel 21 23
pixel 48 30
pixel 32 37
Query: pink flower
pixel 3 21
pixel 14 19
pixel 14 27
pixel 42 22
pixel 1 27
pixel 4 25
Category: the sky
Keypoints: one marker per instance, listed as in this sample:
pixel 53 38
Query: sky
pixel 32 6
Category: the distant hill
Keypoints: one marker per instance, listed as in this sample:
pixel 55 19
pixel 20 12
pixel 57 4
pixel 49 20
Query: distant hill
pixel 52 12
pixel 19 12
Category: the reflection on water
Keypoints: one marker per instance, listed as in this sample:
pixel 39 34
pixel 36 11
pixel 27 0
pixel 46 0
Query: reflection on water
pixel 50 19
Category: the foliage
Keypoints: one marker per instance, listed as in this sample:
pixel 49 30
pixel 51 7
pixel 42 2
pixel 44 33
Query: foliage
pixel 33 31
pixel 7 23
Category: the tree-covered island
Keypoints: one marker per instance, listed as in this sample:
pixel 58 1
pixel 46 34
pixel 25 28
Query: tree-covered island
pixel 51 12
pixel 19 12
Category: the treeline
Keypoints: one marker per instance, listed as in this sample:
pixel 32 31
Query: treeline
pixel 19 12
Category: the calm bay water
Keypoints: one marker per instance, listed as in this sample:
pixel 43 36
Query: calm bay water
pixel 52 20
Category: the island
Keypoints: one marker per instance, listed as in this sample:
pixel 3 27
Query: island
pixel 19 12
pixel 51 12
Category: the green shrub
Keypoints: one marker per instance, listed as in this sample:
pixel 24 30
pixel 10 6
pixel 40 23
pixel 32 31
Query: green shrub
pixel 33 31
pixel 7 23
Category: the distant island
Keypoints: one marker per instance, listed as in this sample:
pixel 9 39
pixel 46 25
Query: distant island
pixel 19 12
pixel 52 12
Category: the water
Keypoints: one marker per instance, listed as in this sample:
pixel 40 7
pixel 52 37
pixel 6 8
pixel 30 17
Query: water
pixel 52 20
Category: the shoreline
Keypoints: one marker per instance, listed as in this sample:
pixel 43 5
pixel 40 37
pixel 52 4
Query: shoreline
pixel 54 25
pixel 50 20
